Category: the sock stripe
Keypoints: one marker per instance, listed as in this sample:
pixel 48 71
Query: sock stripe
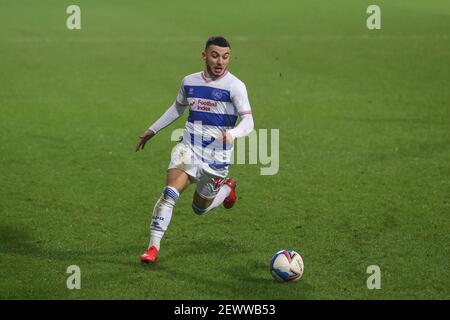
pixel 198 210
pixel 170 192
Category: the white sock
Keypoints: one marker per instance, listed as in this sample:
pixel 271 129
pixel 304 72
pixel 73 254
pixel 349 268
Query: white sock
pixel 162 214
pixel 218 200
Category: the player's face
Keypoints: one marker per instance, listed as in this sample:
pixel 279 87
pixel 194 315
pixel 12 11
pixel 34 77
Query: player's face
pixel 216 59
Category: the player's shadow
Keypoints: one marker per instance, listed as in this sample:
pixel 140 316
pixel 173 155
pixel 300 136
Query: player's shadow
pixel 16 239
pixel 19 240
pixel 127 257
pixel 207 247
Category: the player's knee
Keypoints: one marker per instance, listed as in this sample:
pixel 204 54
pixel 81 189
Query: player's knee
pixel 198 210
pixel 170 195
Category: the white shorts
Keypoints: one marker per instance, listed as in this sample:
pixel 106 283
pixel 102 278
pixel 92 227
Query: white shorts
pixel 209 180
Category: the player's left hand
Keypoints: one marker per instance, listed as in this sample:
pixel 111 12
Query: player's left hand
pixel 227 138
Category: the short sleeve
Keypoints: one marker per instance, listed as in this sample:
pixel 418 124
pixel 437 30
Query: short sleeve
pixel 239 97
pixel 181 97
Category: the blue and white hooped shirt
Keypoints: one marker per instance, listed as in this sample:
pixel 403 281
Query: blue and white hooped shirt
pixel 214 107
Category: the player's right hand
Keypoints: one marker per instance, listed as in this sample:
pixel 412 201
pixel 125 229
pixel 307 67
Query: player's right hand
pixel 147 135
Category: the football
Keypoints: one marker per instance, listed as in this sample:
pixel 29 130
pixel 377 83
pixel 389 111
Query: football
pixel 286 265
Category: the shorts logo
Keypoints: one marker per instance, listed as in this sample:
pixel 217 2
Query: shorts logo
pixel 216 94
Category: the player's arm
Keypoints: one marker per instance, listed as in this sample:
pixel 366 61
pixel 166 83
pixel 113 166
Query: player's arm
pixel 242 105
pixel 244 127
pixel 173 113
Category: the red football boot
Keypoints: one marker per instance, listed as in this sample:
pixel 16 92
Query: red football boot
pixel 232 198
pixel 150 256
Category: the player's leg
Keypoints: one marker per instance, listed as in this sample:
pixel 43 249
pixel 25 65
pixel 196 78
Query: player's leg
pixel 200 204
pixel 226 196
pixel 211 192
pixel 177 180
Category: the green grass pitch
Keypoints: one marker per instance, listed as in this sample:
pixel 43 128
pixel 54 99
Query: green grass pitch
pixel 364 126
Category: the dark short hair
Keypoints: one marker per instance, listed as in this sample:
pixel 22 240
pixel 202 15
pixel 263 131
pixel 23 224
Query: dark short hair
pixel 217 41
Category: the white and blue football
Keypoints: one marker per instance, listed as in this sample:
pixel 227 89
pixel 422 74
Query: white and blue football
pixel 286 265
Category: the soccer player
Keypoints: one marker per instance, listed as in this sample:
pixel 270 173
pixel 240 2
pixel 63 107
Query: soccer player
pixel 215 99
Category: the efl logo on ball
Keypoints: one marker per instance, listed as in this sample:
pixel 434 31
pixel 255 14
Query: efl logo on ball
pixel 286 265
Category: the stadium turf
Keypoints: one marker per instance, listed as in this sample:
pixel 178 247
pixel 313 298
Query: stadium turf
pixel 364 174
